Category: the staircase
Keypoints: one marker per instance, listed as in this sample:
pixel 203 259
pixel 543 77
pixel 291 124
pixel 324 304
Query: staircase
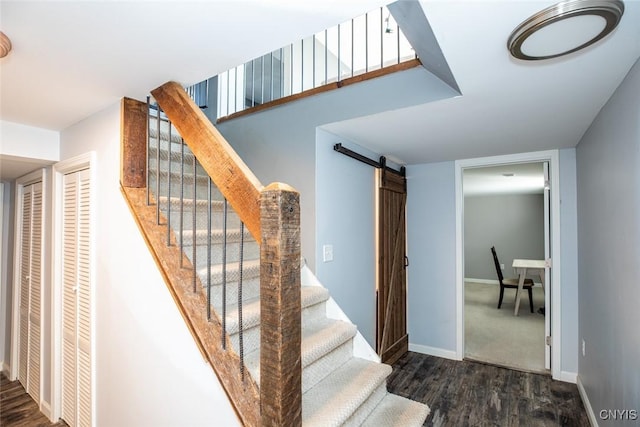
pixel 341 385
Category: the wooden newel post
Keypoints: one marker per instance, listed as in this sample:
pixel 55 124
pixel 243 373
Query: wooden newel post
pixel 280 329
pixel 133 143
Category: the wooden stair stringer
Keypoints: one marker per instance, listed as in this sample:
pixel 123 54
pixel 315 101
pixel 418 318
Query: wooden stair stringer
pixel 244 395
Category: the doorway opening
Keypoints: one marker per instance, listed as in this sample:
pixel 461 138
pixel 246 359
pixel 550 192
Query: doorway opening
pixel 504 221
pixel 552 337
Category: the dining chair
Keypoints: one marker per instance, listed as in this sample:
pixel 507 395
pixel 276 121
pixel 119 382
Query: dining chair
pixel 511 283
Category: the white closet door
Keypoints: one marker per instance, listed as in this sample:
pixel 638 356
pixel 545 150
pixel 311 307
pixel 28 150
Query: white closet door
pixel 69 299
pixel 35 305
pixel 25 268
pixel 84 300
pixel 30 289
pixel 76 300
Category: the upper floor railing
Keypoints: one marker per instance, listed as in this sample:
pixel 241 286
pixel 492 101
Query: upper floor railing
pixel 199 92
pixel 363 44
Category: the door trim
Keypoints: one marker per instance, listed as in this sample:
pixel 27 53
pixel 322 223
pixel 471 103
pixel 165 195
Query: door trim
pixel 552 156
pixel 547 255
pixel 4 305
pixel 83 161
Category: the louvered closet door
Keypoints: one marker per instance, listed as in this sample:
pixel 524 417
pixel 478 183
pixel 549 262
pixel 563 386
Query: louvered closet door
pixel 35 294
pixel 25 267
pixel 76 301
pixel 30 289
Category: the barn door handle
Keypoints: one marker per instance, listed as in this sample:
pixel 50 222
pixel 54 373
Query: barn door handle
pixel 406 261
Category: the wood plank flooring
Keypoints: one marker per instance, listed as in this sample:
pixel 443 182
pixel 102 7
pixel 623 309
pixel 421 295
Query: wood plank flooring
pixel 475 394
pixel 458 393
pixel 18 409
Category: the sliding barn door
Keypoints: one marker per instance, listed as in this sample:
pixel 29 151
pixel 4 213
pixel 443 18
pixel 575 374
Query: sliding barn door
pixel 30 282
pixel 76 300
pixel 392 339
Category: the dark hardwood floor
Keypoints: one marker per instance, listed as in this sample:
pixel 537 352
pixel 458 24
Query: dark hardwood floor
pixel 458 393
pixel 475 394
pixel 17 408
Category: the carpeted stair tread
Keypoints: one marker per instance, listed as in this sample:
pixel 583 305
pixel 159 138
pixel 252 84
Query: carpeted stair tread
pixel 175 179
pixel 397 411
pixel 176 150
pixel 334 399
pixel 216 205
pixel 164 133
pixel 320 338
pixel 250 316
pixel 233 235
pixel 250 270
pixel 310 295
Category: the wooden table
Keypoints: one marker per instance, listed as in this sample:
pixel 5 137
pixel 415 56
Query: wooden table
pixel 522 266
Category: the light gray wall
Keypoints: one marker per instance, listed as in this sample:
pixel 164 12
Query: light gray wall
pixel 141 339
pixel 608 172
pixel 431 212
pixel 279 150
pixel 569 256
pixel 279 144
pixel 513 223
pixel 431 242
pixel 345 218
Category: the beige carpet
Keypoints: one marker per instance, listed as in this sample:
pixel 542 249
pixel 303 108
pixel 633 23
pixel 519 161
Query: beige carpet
pixel 497 336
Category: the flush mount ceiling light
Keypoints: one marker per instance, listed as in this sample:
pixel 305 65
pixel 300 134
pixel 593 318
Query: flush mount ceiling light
pixel 564 28
pixel 5 45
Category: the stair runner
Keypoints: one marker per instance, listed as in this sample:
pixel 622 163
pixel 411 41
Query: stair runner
pixel 338 388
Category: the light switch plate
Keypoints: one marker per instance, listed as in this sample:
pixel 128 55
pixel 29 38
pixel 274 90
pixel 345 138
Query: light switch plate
pixel 327 253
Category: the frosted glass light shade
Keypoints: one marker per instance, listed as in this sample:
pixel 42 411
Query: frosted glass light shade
pixel 564 28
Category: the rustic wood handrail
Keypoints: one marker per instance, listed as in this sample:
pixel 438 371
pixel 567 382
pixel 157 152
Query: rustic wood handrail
pixel 231 175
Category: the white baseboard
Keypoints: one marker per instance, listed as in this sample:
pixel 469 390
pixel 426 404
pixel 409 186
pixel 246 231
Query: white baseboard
pixel 568 377
pixel 587 405
pixel 45 408
pixel 6 369
pixel 433 351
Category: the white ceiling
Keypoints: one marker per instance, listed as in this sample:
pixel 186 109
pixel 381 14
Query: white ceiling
pixel 72 59
pixel 516 178
pixel 12 167
pixel 507 105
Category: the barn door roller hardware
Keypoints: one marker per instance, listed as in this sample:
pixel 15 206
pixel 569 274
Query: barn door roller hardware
pixel 382 164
